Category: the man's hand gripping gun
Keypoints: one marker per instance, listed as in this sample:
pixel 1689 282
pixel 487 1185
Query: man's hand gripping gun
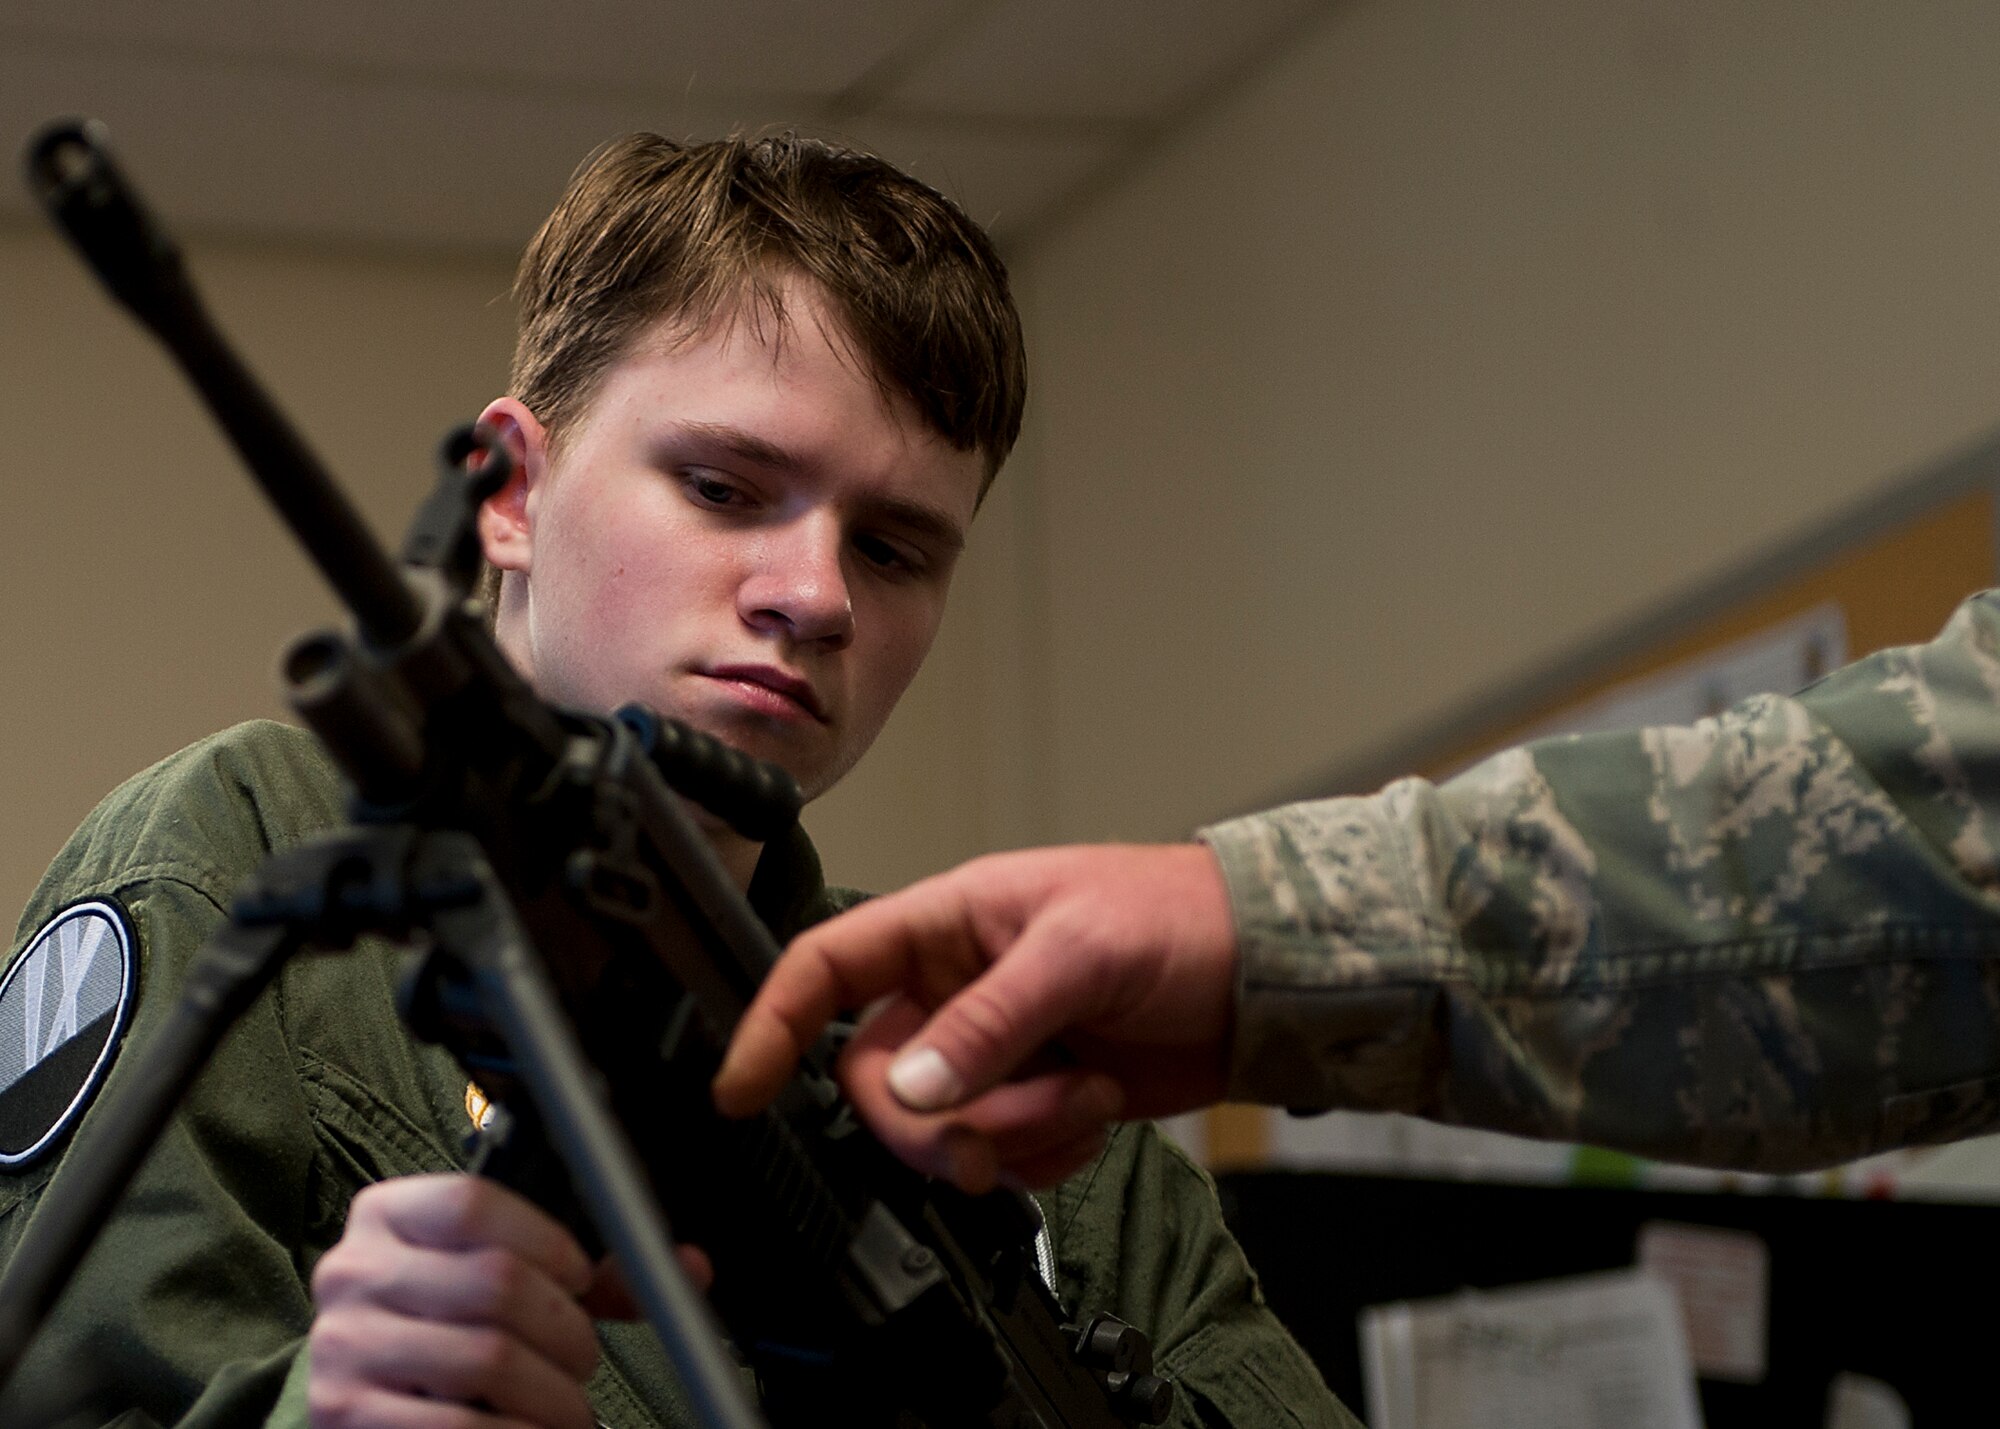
pixel 585 955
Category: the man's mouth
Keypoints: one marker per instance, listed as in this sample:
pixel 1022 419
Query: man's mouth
pixel 771 690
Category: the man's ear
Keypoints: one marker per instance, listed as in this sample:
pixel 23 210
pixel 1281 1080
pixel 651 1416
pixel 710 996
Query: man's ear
pixel 506 524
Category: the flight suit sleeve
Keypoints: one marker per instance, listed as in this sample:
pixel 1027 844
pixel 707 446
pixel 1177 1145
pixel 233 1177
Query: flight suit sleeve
pixel 1768 940
pixel 189 1304
pixel 1140 1234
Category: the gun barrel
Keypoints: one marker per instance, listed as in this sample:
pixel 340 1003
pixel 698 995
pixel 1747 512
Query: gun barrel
pixel 71 173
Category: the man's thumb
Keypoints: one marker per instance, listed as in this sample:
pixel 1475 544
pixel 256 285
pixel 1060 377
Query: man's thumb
pixel 991 1027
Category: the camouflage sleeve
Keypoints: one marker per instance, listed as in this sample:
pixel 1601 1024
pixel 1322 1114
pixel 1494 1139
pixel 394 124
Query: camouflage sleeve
pixel 1767 940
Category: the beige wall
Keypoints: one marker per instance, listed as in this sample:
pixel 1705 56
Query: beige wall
pixel 146 588
pixel 1470 330
pixel 1460 334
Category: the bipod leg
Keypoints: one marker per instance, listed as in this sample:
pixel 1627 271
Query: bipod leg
pixel 483 937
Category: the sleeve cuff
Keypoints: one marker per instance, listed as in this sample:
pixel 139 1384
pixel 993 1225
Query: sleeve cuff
pixel 1327 1013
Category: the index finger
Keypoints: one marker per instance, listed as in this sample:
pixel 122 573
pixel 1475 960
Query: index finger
pixel 848 961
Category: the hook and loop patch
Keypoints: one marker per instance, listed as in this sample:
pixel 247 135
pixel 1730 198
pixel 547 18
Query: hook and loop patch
pixel 64 1005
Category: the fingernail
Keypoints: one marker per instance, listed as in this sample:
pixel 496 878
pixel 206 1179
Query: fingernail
pixel 923 1081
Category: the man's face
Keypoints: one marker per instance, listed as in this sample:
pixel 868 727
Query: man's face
pixel 743 532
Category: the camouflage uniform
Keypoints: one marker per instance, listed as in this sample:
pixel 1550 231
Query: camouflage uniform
pixel 191 1307
pixel 1767 940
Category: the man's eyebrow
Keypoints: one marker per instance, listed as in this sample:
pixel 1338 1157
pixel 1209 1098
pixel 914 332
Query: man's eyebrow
pixel 738 442
pixel 925 523
pixel 921 520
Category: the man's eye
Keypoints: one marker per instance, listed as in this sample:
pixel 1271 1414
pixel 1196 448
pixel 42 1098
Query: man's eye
pixel 710 491
pixel 887 556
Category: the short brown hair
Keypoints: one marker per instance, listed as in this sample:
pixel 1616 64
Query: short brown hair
pixel 651 228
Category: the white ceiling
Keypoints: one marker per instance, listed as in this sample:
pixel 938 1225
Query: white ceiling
pixel 453 123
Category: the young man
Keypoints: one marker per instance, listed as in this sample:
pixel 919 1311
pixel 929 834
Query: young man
pixel 758 394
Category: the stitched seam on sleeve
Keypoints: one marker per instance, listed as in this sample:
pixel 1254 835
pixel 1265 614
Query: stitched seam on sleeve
pixel 1196 1350
pixel 331 1090
pixel 1773 954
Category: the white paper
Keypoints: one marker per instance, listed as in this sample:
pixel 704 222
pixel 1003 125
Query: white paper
pixel 1722 1279
pixel 1592 1352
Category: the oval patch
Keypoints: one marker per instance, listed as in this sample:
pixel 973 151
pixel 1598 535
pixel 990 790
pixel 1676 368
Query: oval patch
pixel 63 1008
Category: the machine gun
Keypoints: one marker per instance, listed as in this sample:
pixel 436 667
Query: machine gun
pixel 561 897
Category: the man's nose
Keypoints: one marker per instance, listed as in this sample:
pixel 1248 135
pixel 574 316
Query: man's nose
pixel 801 586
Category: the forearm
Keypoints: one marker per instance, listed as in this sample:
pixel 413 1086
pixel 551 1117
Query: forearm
pixel 1768 939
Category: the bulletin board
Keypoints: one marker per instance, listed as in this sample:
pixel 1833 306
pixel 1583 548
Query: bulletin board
pixel 1887 572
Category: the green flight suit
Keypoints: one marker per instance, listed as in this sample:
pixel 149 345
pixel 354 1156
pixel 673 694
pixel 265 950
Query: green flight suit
pixel 191 1308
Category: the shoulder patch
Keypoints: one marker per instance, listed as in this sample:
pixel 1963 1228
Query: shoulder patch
pixel 64 1006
